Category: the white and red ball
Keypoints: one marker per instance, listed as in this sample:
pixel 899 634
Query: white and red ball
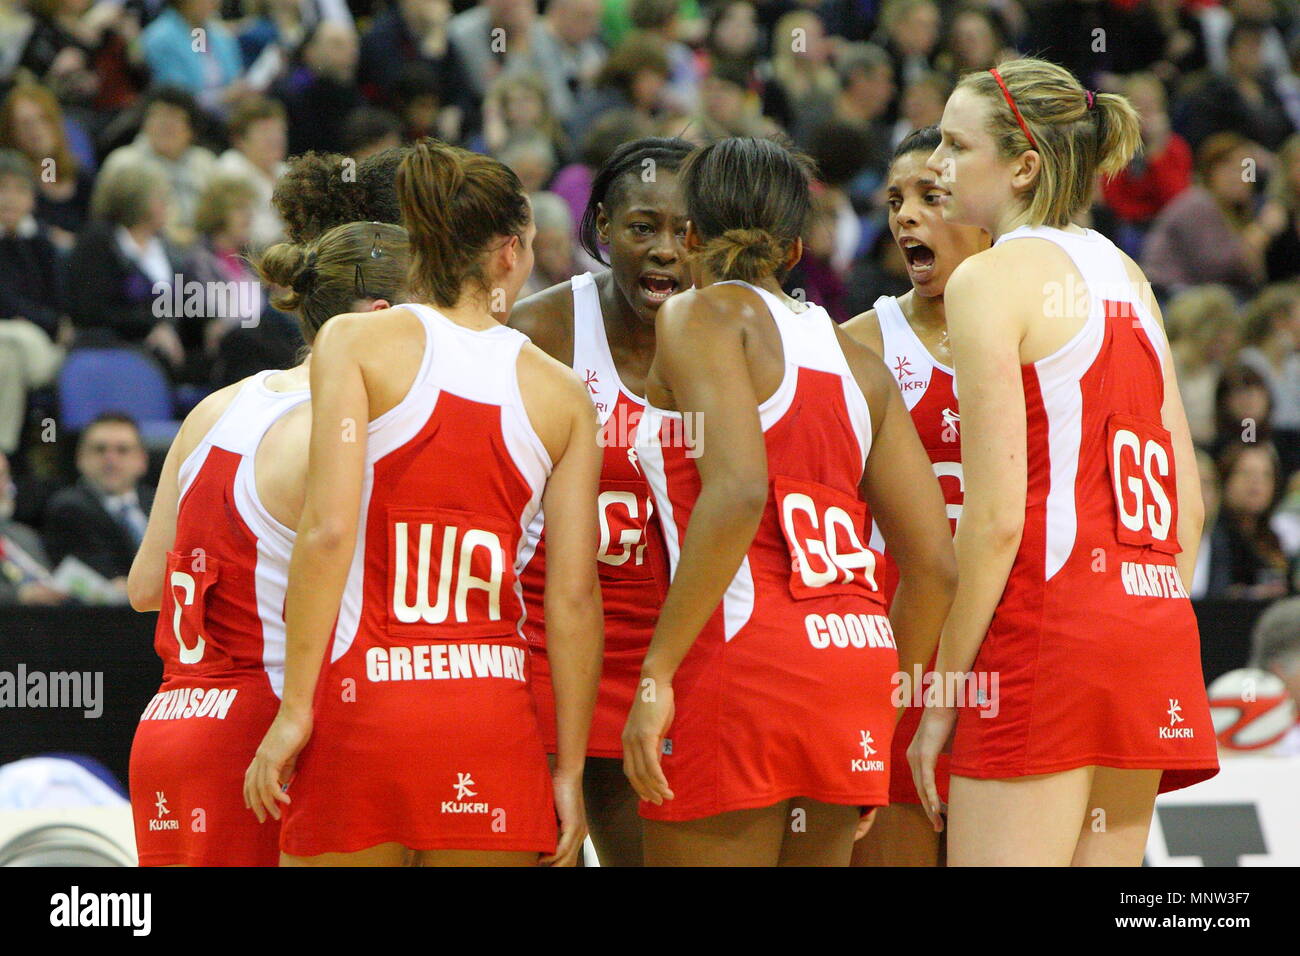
pixel 1251 710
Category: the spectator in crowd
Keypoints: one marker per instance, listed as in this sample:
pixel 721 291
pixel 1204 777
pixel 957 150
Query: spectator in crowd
pixel 239 333
pixel 101 519
pixel 15 28
pixel 32 123
pixel 73 42
pixel 1243 408
pixel 728 107
pixel 800 85
pixel 867 87
pixel 496 36
pixel 418 33
pixel 1084 38
pixel 909 34
pixel 1180 40
pixel 841 152
pixel 1217 23
pixel 633 78
pixel 167 139
pixel 369 130
pixel 272 24
pixel 1157 174
pixel 867 76
pixel 1250 562
pixel 121 257
pixel 189 47
pixel 321 91
pixel 733 39
pixel 418 101
pixel 1204 234
pixel 921 105
pixel 818 274
pixel 31 298
pixel 259 137
pixel 59 52
pixel 283 25
pixel 569 52
pixel 658 20
pixel 24 568
pixel 975 41
pixel 616 21
pixel 1282 256
pixel 517 106
pixel 1275 647
pixel 573 182
pixel 1201 322
pixel 224 222
pixel 553 245
pixel 76 48
pixel 1271 340
pixel 1242 100
pixel 532 158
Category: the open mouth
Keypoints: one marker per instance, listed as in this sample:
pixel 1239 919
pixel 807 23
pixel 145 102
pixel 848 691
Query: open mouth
pixel 920 257
pixel 658 286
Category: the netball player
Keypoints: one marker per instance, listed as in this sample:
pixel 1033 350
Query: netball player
pixel 763 719
pixel 319 191
pixel 1082 516
pixel 214 560
pixel 437 433
pixel 911 334
pixel 603 327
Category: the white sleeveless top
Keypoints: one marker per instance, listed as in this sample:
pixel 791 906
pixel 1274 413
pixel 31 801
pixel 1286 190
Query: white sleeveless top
pixel 592 357
pixel 240 430
pixel 476 365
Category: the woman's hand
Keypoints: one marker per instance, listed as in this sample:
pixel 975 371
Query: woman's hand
pixel 647 725
pixel 928 743
pixel 268 776
pixel 571 810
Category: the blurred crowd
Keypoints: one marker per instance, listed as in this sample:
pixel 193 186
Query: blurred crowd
pixel 140 141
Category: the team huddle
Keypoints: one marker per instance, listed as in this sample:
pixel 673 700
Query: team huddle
pixel 664 556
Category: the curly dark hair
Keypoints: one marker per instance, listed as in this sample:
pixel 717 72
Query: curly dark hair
pixel 319 191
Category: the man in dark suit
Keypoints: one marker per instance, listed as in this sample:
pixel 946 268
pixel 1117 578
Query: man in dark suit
pixel 101 519
pixel 24 569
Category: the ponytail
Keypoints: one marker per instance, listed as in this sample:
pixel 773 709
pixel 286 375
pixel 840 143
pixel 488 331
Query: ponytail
pixel 454 204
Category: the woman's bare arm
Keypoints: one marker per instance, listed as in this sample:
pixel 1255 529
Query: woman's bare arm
pixel 700 357
pixel 323 548
pixel 144 583
pixel 903 493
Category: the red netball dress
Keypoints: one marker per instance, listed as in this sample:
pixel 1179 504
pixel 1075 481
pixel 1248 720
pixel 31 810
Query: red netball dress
pixel 930 394
pixel 633 565
pixel 786 691
pixel 221 639
pixel 425 733
pixel 1094 642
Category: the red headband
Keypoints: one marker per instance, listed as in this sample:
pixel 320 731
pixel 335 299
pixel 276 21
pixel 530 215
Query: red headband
pixel 1024 128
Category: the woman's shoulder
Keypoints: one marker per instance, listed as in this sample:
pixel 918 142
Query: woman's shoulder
pixel 201 419
pixel 707 306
